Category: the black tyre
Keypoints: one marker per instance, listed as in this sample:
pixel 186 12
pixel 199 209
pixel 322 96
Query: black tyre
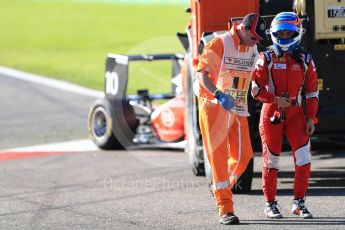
pixel 100 125
pixel 208 169
pixel 254 108
pixel 194 142
pixel 244 183
pixel 112 126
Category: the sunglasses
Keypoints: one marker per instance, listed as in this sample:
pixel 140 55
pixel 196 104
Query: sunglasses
pixel 253 37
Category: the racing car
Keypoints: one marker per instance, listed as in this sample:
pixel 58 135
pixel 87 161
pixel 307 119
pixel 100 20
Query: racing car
pixel 123 121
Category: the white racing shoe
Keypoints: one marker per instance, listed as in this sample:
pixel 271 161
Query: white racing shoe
pixel 299 209
pixel 272 211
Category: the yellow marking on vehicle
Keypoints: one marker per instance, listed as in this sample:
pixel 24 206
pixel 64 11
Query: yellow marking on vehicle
pixel 339 47
pixel 320 84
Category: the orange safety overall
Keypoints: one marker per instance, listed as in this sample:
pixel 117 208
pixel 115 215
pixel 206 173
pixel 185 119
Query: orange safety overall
pixel 225 134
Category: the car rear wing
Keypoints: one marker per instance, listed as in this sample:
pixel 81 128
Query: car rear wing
pixel 116 75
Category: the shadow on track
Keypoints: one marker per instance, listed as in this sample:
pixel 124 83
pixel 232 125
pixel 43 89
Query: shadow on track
pixel 292 221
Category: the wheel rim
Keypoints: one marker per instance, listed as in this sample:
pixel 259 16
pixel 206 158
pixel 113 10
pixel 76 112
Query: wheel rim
pixel 99 123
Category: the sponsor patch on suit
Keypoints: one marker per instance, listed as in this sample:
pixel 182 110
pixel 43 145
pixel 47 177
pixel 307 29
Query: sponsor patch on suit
pixel 239 64
pixel 296 67
pixel 279 66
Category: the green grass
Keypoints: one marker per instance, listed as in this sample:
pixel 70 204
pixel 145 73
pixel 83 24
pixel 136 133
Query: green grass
pixel 70 40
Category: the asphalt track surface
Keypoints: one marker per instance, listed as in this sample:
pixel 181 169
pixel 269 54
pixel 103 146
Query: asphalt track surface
pixel 35 114
pixel 138 189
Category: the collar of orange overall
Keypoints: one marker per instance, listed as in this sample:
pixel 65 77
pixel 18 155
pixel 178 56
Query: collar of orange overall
pixel 237 40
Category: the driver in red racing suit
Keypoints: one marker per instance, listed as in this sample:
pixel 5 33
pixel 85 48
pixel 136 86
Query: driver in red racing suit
pixel 281 74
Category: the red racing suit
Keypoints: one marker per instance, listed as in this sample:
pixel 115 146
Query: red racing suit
pixel 285 77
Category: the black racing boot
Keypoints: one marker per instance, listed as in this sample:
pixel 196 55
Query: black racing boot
pixel 229 219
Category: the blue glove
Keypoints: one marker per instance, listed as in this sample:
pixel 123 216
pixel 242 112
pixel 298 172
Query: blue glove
pixel 225 100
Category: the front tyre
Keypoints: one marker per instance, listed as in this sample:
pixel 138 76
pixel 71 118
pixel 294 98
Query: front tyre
pixel 244 183
pixel 208 169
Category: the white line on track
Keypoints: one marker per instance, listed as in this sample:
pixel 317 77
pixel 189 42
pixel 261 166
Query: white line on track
pixel 57 84
pixel 83 145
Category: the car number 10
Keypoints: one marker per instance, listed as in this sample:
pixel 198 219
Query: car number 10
pixel 111 83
